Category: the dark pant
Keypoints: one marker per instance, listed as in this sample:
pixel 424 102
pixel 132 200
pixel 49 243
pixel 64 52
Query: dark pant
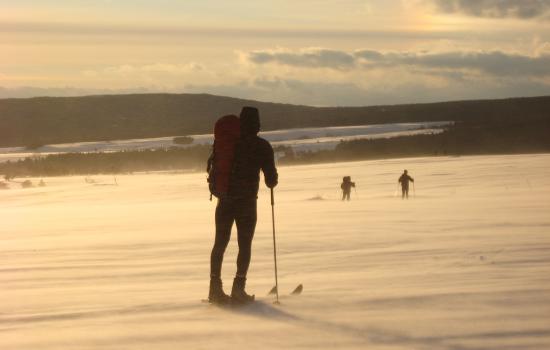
pixel 345 194
pixel 243 213
pixel 404 191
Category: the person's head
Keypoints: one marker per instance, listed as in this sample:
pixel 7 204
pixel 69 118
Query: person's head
pixel 250 121
pixel 405 171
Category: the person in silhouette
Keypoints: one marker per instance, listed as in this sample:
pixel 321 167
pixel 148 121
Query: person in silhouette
pixel 404 179
pixel 346 187
pixel 252 154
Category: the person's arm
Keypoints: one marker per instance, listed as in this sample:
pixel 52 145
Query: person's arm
pixel 268 166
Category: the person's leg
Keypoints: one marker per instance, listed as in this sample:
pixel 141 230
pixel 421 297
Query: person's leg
pixel 224 222
pixel 245 219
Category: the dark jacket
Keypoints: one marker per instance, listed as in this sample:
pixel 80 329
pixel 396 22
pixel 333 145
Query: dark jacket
pixel 252 153
pixel 404 179
pixel 347 185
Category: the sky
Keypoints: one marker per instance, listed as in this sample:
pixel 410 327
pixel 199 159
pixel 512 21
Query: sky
pixel 313 52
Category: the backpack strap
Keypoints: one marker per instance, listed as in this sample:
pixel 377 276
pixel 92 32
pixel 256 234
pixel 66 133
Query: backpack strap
pixel 209 165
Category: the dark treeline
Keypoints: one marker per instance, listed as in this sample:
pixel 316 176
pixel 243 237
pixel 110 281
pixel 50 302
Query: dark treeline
pixel 507 136
pixel 34 122
pixel 463 138
pixel 193 158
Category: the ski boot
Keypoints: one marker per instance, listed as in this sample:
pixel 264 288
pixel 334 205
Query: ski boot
pixel 216 295
pixel 238 295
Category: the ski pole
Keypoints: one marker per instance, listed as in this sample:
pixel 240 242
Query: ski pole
pixel 274 246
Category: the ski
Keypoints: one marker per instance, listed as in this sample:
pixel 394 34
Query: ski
pixel 297 291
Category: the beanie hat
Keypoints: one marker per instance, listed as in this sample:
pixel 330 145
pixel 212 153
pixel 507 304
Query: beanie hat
pixel 250 120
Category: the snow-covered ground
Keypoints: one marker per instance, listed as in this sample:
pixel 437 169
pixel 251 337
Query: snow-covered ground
pixel 465 264
pixel 311 139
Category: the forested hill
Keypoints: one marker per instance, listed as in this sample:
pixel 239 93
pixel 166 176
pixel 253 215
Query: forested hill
pixel 46 120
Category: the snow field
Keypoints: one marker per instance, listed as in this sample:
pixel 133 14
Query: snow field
pixel 463 264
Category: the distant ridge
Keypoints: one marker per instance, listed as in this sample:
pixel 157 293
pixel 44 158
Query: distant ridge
pixel 32 122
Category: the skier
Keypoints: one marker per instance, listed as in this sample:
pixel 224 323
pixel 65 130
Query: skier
pixel 404 180
pixel 238 204
pixel 346 187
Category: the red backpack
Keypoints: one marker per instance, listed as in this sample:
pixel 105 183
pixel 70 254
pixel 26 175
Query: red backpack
pixel 220 163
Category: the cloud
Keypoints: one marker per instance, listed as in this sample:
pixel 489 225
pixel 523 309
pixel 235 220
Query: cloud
pixel 524 9
pixel 318 58
pixel 155 68
pixel 328 77
pixel 493 63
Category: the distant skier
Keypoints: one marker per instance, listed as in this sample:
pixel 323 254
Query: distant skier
pixel 234 176
pixel 346 187
pixel 404 180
